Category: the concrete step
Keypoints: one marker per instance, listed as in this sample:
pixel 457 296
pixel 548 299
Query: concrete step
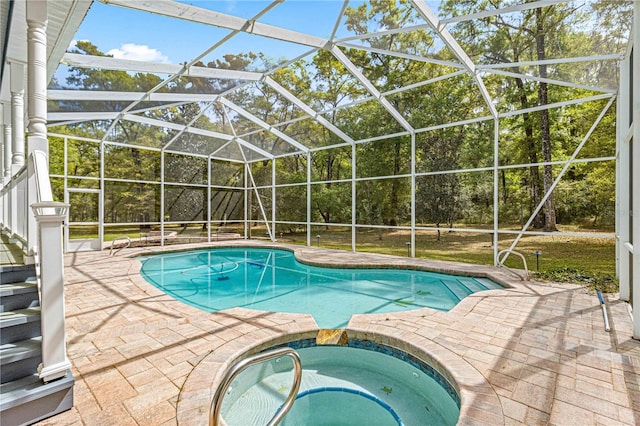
pixel 19 325
pixel 28 400
pixel 14 289
pixel 20 359
pixel 16 274
pixel 20 295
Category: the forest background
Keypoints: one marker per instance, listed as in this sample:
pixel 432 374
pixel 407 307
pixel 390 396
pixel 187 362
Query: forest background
pixel 454 185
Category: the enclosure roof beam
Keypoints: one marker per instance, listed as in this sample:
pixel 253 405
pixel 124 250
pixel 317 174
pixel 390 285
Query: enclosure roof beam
pixel 110 63
pixel 383 33
pixel 457 50
pixel 556 105
pixel 102 95
pixel 403 55
pixel 252 147
pixel 551 81
pixel 81 116
pixel 200 15
pixel 174 126
pixel 509 9
pixel 344 60
pixel 262 124
pixel 188 125
pixel 307 109
pixel 612 57
pixel 195 131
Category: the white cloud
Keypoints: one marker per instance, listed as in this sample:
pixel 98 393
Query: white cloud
pixel 138 52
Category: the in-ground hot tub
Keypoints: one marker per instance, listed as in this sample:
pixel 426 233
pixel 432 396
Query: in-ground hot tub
pixel 361 384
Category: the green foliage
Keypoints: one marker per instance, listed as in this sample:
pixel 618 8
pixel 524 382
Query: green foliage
pixel 584 196
pixel 606 283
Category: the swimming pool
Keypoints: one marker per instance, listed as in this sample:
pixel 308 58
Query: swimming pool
pixel 364 383
pixel 273 280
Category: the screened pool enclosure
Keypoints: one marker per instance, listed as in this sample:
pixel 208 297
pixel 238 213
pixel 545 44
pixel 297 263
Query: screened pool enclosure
pixel 375 126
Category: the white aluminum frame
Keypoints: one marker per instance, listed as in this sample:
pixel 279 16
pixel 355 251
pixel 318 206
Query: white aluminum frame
pixel 236 25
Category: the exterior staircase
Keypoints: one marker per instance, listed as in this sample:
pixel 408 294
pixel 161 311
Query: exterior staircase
pixel 24 398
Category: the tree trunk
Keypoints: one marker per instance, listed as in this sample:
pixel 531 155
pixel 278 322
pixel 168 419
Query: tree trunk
pixel 393 221
pixel 534 172
pixel 549 205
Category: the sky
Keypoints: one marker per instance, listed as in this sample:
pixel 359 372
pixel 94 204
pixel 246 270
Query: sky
pixel 131 34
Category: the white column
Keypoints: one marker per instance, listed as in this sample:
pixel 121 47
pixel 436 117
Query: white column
pixel 49 216
pixel 623 148
pixel 37 102
pixel 3 198
pixel 7 142
pixel 17 115
pixel 2 142
pixel 5 129
pixel 634 190
pixel 16 87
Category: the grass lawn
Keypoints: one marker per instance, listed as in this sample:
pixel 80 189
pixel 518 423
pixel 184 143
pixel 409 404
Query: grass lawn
pixel 591 254
pixel 563 258
pixel 587 260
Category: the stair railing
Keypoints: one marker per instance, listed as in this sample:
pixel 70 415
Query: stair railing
pixel 237 368
pixel 50 216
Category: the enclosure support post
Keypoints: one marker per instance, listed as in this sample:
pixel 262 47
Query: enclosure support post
pixel 496 200
pixel 308 199
pixel 209 199
pixel 273 199
pixel 162 188
pixel 623 154
pixel 566 166
pixel 255 189
pixel 633 191
pixel 65 182
pixel 413 194
pixel 353 197
pixel 246 200
pixel 102 191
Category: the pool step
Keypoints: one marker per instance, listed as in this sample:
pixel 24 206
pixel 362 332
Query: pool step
pixel 457 288
pixel 488 283
pixel 472 284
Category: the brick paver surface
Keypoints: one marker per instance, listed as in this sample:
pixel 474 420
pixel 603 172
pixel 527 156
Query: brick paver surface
pixel 530 354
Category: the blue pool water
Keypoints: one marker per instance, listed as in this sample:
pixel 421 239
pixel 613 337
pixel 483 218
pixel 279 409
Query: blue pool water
pixel 273 280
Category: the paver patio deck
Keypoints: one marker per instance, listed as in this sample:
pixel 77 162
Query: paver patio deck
pixel 530 354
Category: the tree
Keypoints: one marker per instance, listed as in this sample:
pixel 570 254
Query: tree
pixel 437 194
